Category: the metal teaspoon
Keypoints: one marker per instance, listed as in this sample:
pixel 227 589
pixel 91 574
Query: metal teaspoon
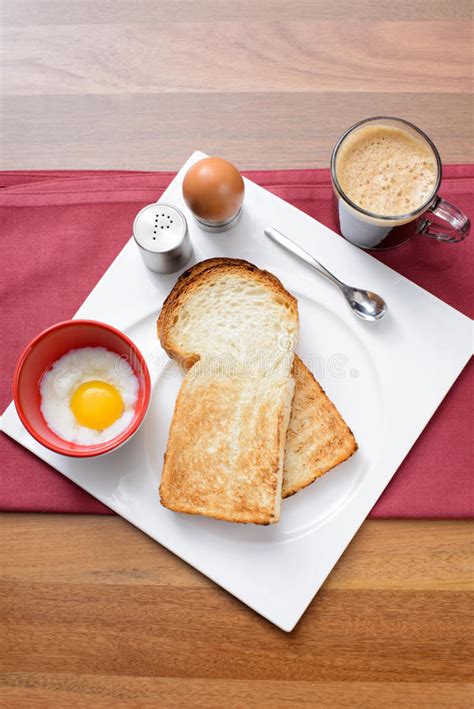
pixel 364 303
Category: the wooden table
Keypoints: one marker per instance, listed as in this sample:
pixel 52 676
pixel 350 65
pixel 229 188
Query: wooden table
pixel 93 612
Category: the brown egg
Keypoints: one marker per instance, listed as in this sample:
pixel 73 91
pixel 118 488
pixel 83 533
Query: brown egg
pixel 213 189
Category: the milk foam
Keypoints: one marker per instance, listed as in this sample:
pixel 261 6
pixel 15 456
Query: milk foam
pixel 385 170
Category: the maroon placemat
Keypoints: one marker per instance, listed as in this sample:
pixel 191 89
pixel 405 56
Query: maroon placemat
pixel 61 231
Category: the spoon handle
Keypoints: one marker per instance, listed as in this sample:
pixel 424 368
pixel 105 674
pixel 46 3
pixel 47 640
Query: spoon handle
pixel 293 247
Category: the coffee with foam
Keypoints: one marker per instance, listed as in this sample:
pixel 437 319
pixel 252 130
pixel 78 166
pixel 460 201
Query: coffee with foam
pixel 386 171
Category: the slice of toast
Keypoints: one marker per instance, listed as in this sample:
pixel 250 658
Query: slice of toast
pixel 317 438
pixel 233 327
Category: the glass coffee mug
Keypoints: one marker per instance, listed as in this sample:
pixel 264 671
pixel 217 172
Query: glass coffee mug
pixel 370 230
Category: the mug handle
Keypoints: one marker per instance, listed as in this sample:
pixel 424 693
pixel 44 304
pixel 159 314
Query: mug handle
pixel 459 224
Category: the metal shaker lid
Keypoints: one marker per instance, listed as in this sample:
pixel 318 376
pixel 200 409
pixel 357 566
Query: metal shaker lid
pixel 161 233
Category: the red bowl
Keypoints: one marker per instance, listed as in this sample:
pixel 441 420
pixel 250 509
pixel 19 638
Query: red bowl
pixel 48 347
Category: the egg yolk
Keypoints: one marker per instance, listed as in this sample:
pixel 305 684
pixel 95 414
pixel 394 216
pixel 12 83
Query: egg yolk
pixel 96 405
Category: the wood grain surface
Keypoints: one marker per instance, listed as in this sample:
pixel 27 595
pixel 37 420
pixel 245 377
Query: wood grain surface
pixel 92 612
pixel 140 84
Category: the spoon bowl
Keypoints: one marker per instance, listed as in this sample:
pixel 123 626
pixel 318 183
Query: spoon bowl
pixel 365 304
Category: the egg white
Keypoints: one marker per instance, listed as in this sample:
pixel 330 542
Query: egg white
pixel 74 368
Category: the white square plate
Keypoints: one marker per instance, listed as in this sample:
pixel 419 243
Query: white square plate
pixel 386 378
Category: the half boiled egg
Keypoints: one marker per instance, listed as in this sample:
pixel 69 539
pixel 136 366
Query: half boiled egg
pixel 88 395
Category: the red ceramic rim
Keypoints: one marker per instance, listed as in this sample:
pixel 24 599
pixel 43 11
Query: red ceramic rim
pixel 100 448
